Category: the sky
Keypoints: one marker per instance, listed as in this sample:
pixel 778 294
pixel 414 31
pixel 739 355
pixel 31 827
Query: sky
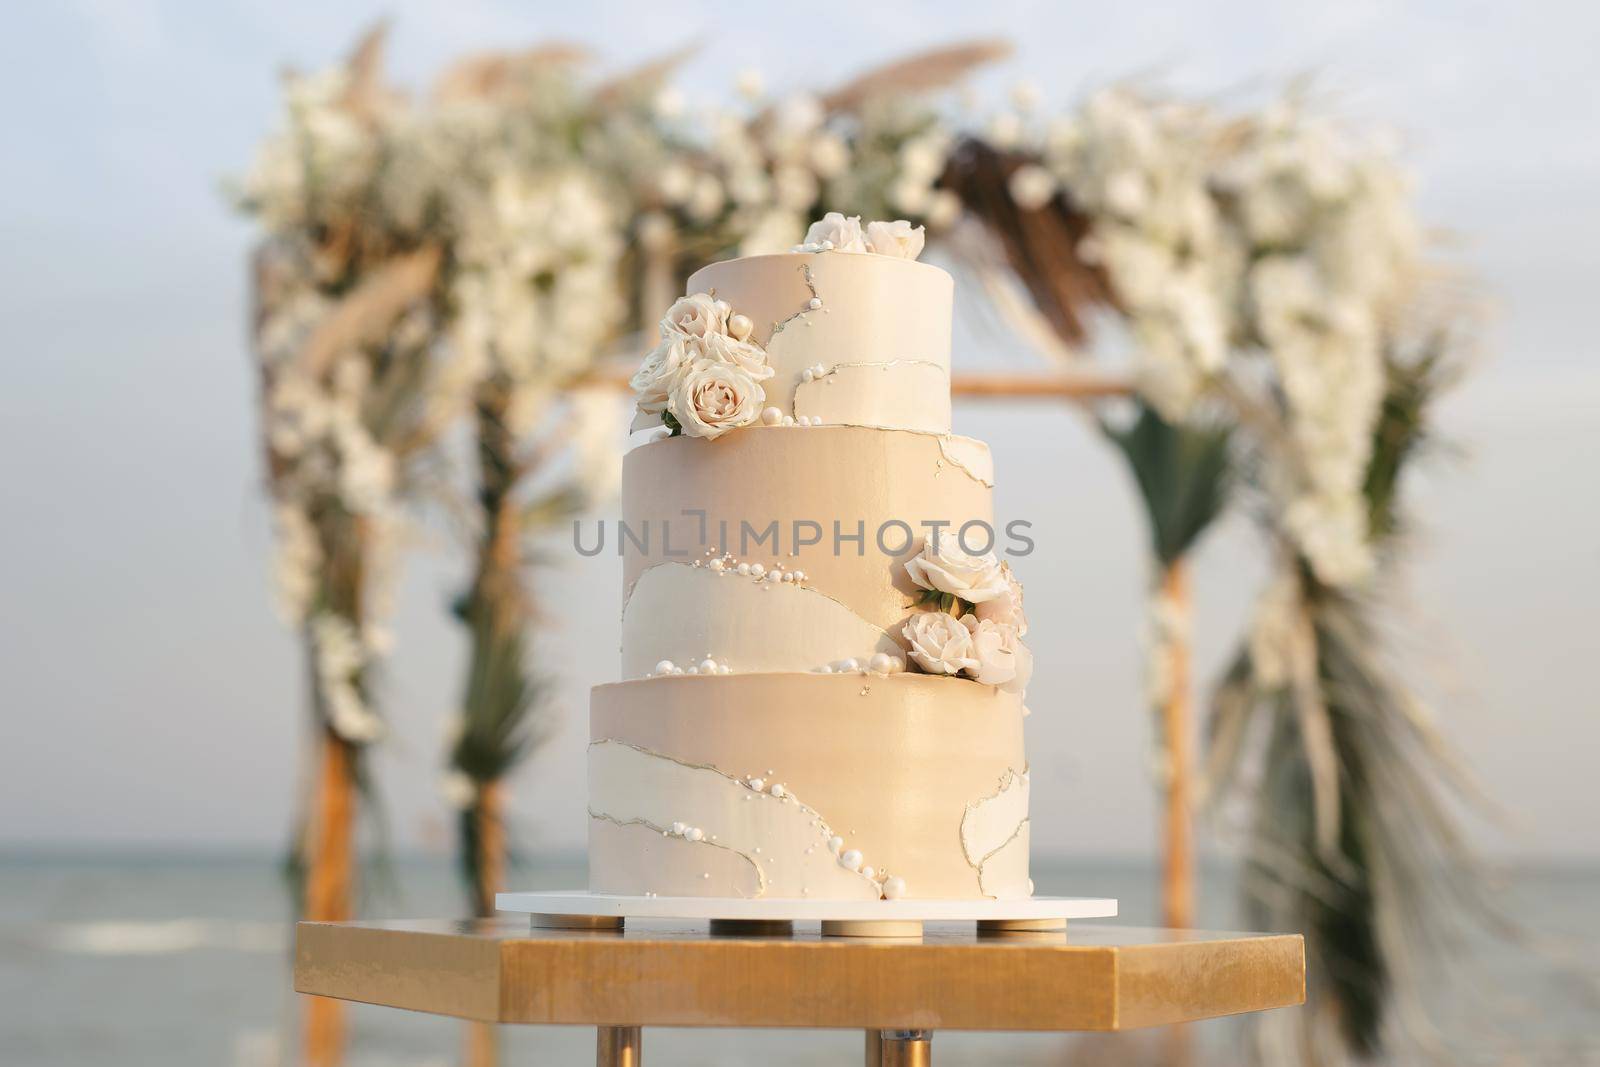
pixel 150 698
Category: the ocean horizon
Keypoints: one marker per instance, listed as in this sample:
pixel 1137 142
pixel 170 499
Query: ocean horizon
pixel 181 956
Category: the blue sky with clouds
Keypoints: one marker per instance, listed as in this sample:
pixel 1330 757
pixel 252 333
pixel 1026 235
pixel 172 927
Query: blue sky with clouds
pixel 143 669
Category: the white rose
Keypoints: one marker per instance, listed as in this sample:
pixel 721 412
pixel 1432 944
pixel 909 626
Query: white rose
pixel 652 382
pixel 696 315
pixel 899 239
pixel 940 644
pixel 1003 660
pixel 711 397
pixel 944 567
pixel 843 234
pixel 742 354
pixel 1007 607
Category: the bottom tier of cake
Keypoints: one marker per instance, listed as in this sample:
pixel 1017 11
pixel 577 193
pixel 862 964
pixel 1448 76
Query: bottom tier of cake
pixel 785 785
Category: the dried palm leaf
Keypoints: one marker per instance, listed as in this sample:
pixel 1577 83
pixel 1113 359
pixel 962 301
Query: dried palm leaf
pixel 1316 734
pixel 365 94
pixel 1041 244
pixel 367 311
pixel 642 79
pixel 490 74
pixel 924 72
pixel 1391 885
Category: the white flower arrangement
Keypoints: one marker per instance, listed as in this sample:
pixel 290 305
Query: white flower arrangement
pixel 1003 660
pixel 940 643
pixel 898 239
pixel 1272 233
pixel 943 568
pixel 836 233
pixel 705 376
pixel 975 628
pixel 712 396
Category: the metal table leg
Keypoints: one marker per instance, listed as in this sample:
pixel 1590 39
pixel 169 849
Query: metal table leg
pixel 617 1046
pixel 903 1048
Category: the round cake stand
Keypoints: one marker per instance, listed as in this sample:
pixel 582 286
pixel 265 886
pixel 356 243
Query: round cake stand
pixel 579 909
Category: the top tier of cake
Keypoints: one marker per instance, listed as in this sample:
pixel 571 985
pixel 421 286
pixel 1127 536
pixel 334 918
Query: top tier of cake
pixel 853 339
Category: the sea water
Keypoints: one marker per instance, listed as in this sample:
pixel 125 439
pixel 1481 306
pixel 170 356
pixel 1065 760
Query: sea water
pixel 170 961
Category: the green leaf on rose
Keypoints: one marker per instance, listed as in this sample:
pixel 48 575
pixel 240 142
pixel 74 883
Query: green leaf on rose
pixel 948 603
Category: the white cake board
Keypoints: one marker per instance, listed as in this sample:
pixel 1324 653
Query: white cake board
pixel 858 917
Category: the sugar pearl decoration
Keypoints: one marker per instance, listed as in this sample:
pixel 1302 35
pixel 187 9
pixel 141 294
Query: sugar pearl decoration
pixel 804 420
pixel 895 888
pixel 808 375
pixel 870 872
pixel 814 303
pixel 757 784
pixel 835 843
pixel 777 790
pixel 664 667
pixel 740 327
pixel 723 668
pixel 881 662
pixel 774 576
pixel 756 569
pixel 851 860
pixel 846 665
pixel 708 666
pixel 771 416
pixel 788 420
pixel 694 833
pixel 717 565
pixel 744 568
pixel 679 828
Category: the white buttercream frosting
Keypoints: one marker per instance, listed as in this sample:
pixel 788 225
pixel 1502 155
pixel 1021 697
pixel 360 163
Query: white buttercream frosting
pixel 751 622
pixel 990 830
pixel 775 833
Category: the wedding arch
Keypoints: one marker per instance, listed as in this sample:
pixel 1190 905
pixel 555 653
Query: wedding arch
pixel 474 255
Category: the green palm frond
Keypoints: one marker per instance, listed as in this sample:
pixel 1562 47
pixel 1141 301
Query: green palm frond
pixel 1184 473
pixel 1403 428
pixel 500 728
pixel 501 694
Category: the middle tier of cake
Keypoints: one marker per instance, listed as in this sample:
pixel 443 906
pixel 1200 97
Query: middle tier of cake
pixel 783 548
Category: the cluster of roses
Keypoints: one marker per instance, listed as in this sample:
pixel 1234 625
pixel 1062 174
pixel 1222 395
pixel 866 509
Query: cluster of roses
pixel 705 376
pixel 978 629
pixel 836 233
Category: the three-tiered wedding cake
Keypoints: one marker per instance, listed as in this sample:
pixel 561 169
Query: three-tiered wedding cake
pixel 821 654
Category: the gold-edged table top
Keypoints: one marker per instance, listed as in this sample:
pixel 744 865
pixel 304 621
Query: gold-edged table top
pixel 1093 977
